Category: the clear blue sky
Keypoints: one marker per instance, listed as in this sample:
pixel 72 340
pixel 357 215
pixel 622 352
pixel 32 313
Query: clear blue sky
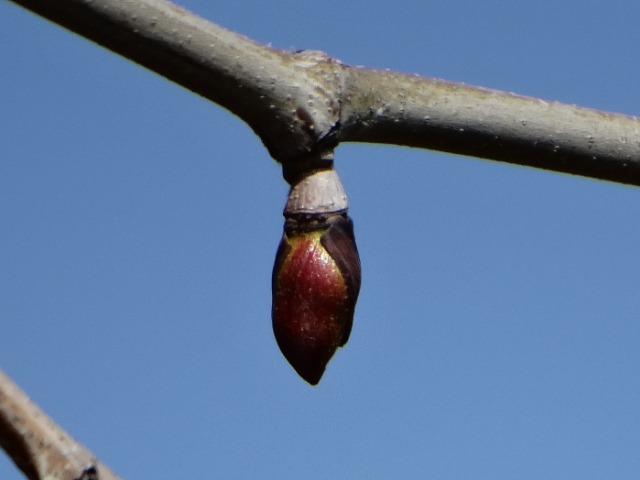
pixel 498 329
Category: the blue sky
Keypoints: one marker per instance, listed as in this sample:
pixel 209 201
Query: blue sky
pixel 497 331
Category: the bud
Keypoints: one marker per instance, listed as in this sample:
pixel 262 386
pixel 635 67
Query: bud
pixel 316 276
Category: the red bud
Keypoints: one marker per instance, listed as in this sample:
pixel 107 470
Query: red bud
pixel 315 284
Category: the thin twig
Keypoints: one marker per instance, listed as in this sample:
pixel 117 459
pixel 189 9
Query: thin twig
pixel 388 107
pixel 38 446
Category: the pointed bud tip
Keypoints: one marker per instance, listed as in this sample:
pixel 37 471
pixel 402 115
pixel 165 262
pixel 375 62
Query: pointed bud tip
pixel 310 369
pixel 313 302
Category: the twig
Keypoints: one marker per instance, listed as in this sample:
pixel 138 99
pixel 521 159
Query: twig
pixel 388 107
pixel 39 447
pixel 300 102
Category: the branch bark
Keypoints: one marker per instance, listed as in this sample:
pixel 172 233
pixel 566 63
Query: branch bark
pixel 281 95
pixel 387 107
pixel 38 446
pixel 305 102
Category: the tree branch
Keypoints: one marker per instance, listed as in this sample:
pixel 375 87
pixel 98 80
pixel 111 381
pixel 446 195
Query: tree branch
pixel 39 447
pixel 281 95
pixel 301 102
pixel 388 107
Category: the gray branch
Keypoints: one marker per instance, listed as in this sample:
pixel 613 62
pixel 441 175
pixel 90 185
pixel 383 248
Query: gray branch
pixel 387 107
pixel 38 446
pixel 288 99
pixel 302 102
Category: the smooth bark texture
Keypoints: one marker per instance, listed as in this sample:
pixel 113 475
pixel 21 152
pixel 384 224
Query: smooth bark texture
pixel 301 102
pixel 388 107
pixel 287 98
pixel 39 447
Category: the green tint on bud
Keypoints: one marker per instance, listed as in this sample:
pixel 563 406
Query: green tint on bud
pixel 316 276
